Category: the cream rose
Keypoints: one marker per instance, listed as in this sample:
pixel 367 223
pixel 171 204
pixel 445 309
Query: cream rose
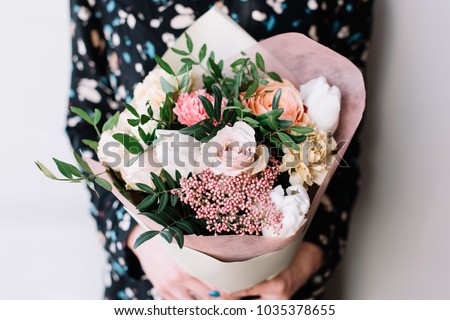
pixel 151 92
pixel 290 101
pixel 177 152
pixel 111 153
pixel 139 171
pixel 234 151
pixel 310 164
pixel 294 206
pixel 323 102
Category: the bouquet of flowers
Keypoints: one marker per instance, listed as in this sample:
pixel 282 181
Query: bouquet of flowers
pixel 224 155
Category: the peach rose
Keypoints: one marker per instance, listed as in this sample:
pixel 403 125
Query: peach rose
pixel 290 101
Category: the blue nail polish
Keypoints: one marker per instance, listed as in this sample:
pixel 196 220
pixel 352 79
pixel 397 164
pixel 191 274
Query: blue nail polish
pixel 214 294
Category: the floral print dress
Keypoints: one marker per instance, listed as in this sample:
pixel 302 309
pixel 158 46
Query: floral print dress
pixel 114 43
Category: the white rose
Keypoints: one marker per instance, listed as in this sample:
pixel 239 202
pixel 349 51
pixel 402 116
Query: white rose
pixel 323 102
pixel 139 171
pixel 294 206
pixel 177 152
pixel 111 153
pixel 234 151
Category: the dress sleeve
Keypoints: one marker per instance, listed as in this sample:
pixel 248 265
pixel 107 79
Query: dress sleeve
pixel 348 33
pixel 90 89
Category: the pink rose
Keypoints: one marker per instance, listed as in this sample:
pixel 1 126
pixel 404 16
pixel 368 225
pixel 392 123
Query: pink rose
pixel 234 151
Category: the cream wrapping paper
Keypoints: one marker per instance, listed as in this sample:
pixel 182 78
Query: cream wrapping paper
pixel 233 262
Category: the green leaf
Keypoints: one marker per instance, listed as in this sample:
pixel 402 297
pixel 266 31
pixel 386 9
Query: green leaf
pixel 164 65
pixel 133 111
pixel 186 227
pixel 254 71
pixel 145 119
pixel 178 235
pixel 97 116
pixel 111 122
pixel 298 139
pixel 83 114
pixel 91 144
pixel 202 53
pixel 208 106
pixel 189 43
pixel 276 141
pixel 185 69
pixel 274 76
pixel 145 237
pixel 83 164
pixel 260 62
pixel 215 69
pixel 284 124
pixel 68 170
pixel 144 136
pixel 184 82
pixel 217 103
pixel 276 99
pixel 103 183
pixel 166 85
pixel 150 112
pixel 169 179
pixel 173 200
pixel 177 176
pixel 239 62
pixel 287 140
pixel 163 202
pixel 145 188
pixel 237 84
pixel 45 171
pixel 167 235
pixel 147 202
pixel 158 182
pixel 188 61
pixel 180 52
pixel 301 130
pixel 252 89
pixel 251 121
pixel 130 143
pixel 191 129
pixel 134 122
pixel 158 218
pixel 275 113
pixel 91 186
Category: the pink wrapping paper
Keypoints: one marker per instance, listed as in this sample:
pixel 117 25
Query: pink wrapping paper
pixel 299 59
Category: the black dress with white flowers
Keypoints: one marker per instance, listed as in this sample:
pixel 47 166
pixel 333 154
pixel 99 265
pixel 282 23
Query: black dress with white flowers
pixel 114 44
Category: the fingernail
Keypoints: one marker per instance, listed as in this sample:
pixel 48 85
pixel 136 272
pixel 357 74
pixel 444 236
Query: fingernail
pixel 249 297
pixel 214 293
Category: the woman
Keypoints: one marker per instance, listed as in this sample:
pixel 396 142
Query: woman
pixel 114 44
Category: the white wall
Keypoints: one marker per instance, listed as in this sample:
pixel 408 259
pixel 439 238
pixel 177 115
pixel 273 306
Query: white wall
pixel 399 243
pixel 48 241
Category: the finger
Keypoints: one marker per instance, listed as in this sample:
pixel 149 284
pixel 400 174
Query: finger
pixel 178 293
pixel 199 288
pixel 206 292
pixel 253 292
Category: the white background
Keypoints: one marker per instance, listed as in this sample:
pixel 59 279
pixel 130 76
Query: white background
pixel 399 243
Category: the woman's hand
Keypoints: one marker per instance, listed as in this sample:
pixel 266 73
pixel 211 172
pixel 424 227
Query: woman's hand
pixel 306 262
pixel 166 276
